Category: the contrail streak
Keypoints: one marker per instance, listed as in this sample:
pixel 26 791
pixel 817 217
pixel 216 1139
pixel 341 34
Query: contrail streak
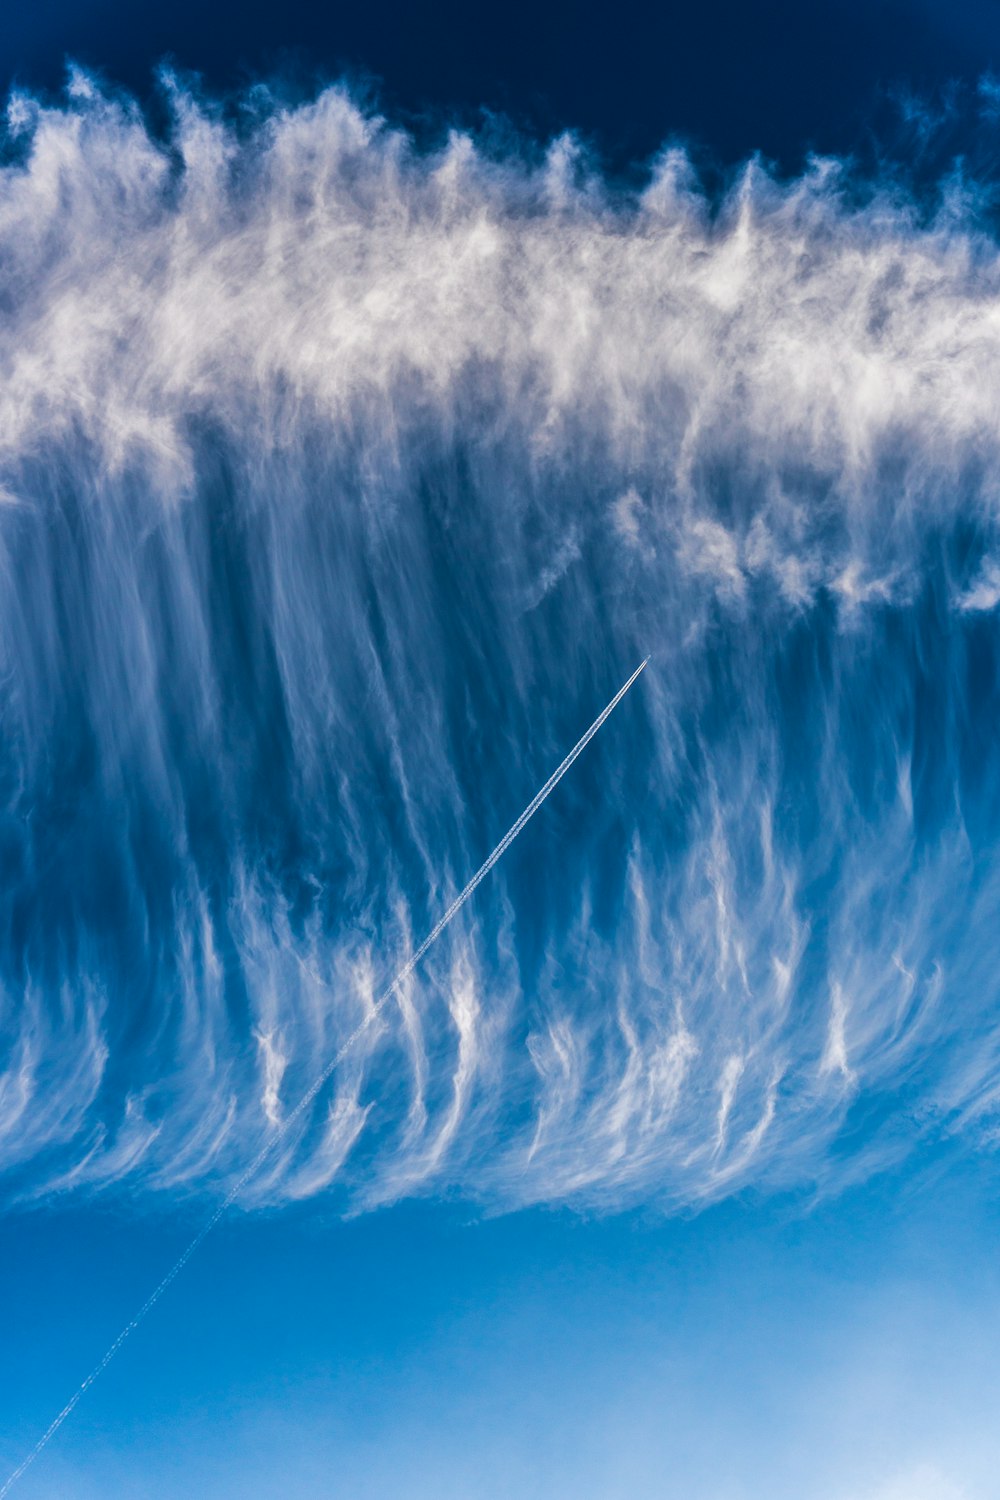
pixel 317 1085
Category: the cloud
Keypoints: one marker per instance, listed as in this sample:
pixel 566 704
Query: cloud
pixel 924 1482
pixel 342 482
pixel 984 591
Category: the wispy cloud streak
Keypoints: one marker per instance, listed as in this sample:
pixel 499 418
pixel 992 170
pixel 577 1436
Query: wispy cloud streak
pixel 316 1087
pixel 332 468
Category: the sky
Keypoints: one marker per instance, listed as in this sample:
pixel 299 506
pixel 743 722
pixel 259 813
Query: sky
pixel 380 390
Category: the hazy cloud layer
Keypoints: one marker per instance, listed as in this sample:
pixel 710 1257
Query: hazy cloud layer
pixel 341 486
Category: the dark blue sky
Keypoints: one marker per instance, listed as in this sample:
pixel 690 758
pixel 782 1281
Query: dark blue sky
pixel 778 76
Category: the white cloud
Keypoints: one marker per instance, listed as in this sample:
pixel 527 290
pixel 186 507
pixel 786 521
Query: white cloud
pixel 922 1482
pixel 983 594
pixel 291 417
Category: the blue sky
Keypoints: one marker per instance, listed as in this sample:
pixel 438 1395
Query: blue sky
pixel 777 76
pixel 746 1351
pixel 741 1352
pixel 357 440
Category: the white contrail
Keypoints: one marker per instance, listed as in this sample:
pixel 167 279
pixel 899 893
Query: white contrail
pixel 313 1090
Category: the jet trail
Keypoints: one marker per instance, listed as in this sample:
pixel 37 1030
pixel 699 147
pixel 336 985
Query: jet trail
pixel 317 1085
